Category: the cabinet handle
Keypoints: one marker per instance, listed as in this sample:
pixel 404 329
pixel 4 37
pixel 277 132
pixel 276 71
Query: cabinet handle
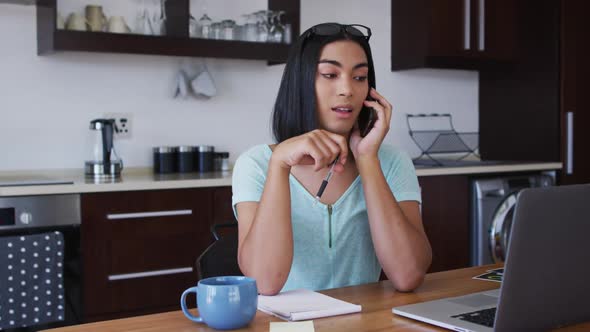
pixel 466 24
pixel 569 167
pixel 113 216
pixel 146 274
pixel 482 25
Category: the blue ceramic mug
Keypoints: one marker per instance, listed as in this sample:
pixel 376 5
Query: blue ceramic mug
pixel 224 303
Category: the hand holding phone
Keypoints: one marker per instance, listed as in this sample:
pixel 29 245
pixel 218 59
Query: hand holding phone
pixel 367 118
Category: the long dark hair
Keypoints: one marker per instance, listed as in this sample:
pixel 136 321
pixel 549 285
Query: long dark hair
pixel 295 107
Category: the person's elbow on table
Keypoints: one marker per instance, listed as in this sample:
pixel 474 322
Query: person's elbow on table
pixel 408 281
pixel 268 283
pixel 270 287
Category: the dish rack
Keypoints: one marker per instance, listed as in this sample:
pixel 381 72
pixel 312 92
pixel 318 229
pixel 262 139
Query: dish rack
pixel 441 141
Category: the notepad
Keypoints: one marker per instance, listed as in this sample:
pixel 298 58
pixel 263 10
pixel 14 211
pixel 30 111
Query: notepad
pixel 303 304
pixel 306 326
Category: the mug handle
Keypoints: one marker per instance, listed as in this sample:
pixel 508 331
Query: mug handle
pixel 185 309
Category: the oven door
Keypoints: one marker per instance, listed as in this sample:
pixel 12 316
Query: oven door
pixel 23 218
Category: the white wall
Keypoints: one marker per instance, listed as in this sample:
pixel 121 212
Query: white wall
pixel 46 102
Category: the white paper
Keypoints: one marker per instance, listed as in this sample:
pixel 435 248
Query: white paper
pixel 303 304
pixel 306 326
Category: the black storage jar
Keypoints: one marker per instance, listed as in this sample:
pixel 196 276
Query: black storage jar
pixel 165 159
pixel 186 159
pixel 205 158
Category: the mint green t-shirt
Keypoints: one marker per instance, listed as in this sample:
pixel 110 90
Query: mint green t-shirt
pixel 332 243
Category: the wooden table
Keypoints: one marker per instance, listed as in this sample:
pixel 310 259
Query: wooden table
pixel 377 299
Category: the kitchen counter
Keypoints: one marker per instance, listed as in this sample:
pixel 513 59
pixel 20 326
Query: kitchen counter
pixel 145 179
pixel 131 179
pixel 483 168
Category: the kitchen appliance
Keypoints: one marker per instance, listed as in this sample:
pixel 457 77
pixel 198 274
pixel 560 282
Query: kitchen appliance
pixel 492 207
pixel 28 216
pixel 105 162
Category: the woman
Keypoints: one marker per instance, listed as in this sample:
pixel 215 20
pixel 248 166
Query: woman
pixel 368 218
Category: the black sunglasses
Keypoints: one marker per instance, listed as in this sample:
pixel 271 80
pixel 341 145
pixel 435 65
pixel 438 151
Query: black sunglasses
pixel 331 29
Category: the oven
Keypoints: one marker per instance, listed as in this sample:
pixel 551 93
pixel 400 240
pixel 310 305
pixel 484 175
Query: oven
pixel 34 219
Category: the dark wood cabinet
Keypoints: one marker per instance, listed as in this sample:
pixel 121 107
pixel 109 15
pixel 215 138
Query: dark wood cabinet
pixel 139 248
pixel 445 215
pixel 575 102
pixel 538 109
pixel 466 34
pixel 222 209
pixel 519 104
pixel 176 42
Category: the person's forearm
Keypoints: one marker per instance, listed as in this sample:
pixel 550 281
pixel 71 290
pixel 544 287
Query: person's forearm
pixel 267 251
pixel 402 249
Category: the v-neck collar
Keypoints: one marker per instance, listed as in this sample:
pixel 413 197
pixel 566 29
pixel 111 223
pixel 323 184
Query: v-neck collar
pixel 310 196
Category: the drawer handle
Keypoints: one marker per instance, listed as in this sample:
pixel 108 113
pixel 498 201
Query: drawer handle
pixel 482 25
pixel 149 273
pixel 114 216
pixel 466 24
pixel 570 143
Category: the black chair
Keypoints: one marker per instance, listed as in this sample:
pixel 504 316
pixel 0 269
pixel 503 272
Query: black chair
pixel 221 257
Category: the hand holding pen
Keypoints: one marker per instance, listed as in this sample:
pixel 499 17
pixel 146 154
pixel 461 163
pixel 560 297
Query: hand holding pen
pixel 317 148
pixel 326 180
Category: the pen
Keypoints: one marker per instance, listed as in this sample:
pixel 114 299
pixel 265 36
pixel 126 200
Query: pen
pixel 325 181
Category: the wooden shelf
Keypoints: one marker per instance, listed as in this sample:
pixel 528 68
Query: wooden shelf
pixel 65 40
pixel 178 43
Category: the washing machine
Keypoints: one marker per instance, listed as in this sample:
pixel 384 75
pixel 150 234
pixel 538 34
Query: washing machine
pixel 492 207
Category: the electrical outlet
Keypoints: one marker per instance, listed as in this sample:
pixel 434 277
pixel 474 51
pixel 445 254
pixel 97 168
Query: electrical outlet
pixel 123 122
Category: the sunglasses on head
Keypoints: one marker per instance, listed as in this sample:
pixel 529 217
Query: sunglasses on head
pixel 331 29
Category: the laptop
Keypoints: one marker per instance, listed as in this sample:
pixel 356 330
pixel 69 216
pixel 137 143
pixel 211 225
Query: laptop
pixel 545 282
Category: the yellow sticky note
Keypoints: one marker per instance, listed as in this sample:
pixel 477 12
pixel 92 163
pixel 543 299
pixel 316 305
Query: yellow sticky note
pixel 305 326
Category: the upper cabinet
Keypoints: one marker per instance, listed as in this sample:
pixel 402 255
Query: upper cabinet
pixel 464 34
pixel 176 41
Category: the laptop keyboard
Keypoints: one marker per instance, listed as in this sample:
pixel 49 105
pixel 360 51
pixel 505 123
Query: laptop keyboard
pixel 482 317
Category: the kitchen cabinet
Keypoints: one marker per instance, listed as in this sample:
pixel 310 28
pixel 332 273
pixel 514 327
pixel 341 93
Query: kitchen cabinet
pixel 519 105
pixel 464 34
pixel 528 111
pixel 139 247
pixel 176 42
pixel 445 215
pixel 574 102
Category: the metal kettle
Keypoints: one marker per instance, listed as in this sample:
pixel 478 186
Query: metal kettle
pixel 105 162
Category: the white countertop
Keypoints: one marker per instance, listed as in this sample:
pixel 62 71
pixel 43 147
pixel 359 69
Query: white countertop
pixel 482 169
pixel 145 179
pixel 131 179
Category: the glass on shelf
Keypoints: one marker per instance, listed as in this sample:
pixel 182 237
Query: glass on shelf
pixel 159 21
pixel 227 29
pixel 143 24
pixel 263 26
pixel 250 28
pixel 277 29
pixel 203 27
pixel 151 18
pixel 216 30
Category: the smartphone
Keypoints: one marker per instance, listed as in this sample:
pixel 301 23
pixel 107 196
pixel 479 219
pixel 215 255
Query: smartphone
pixel 366 119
